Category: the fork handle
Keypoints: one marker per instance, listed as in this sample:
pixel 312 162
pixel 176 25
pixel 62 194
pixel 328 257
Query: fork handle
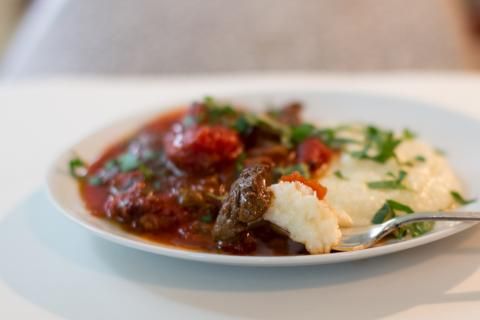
pixel 436 216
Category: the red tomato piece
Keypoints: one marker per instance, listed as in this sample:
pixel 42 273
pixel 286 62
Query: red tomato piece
pixel 202 148
pixel 313 152
pixel 320 190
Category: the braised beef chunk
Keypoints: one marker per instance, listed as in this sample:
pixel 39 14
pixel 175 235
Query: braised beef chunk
pixel 244 243
pixel 201 196
pixel 136 205
pixel 245 204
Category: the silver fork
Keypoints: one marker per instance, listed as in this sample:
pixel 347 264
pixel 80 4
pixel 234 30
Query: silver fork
pixel 365 237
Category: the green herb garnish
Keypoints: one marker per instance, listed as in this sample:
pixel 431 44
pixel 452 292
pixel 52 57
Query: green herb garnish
pixel 217 112
pixel 408 135
pixel 406 163
pixel 217 108
pixel 386 148
pixel 330 137
pixel 245 122
pixel 414 229
pixel 301 132
pixel 389 211
pixel 339 175
pixel 239 162
pixel 411 163
pixel 110 165
pixel 206 218
pixel 420 158
pixel 396 183
pixel 381 143
pixel 128 162
pixel 459 199
pixel 242 125
pixel 145 171
pixel 77 168
pixel 95 181
pixel 272 125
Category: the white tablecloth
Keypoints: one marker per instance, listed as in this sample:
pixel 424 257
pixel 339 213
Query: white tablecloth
pixel 51 268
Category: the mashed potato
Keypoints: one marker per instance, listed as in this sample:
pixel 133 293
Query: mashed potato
pixel 426 185
pixel 296 209
pixel 429 182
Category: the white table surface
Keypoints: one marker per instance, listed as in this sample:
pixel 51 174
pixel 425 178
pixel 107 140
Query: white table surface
pixel 51 268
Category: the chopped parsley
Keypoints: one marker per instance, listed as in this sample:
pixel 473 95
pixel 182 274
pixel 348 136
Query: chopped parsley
pixel 206 218
pixel 406 163
pixel 268 123
pixel 389 211
pixel 414 229
pixel 243 125
pixel 395 183
pixel 239 162
pixel 146 171
pixel 95 181
pixel 408 135
pixel 420 158
pixel 301 132
pixel 125 162
pixel 216 111
pixel 77 168
pixel 330 137
pixel 110 165
pixel 459 199
pixel 340 175
pixel 379 142
pixel 379 145
pixel 411 163
pixel 128 162
pixel 244 122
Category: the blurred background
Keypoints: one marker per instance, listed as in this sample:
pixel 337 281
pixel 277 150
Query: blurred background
pixel 131 37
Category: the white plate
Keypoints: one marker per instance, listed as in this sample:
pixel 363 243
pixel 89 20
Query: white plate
pixel 454 133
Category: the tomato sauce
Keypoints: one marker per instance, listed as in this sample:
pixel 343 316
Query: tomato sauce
pixel 169 189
